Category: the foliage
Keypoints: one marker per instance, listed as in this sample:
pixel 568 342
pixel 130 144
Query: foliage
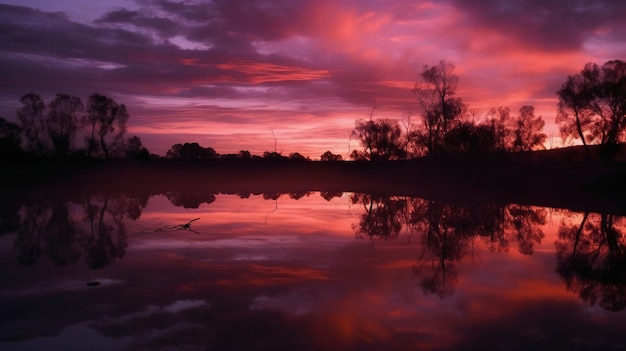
pixel 470 138
pixel 381 140
pixel 329 156
pixel 440 109
pixel 592 104
pixel 190 151
pixel 31 116
pixel 10 139
pixel 107 121
pixel 135 149
pixel 527 130
pixel 62 123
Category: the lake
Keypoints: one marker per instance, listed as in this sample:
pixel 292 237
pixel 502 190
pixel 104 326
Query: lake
pixel 306 271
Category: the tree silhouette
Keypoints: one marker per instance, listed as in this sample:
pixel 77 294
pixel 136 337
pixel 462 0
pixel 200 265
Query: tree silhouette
pixel 329 156
pixel 445 233
pixel 191 198
pixel 65 230
pixel 191 151
pixel 528 130
pixel 380 218
pixel 105 236
pixel 62 122
pixel 592 104
pixel 107 122
pixel 592 260
pixel 10 140
pixel 135 149
pixel 435 93
pixel 381 140
pixel 470 138
pixel 32 121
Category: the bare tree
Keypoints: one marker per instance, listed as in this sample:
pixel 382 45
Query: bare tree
pixel 435 93
pixel 107 121
pixel 62 123
pixel 32 121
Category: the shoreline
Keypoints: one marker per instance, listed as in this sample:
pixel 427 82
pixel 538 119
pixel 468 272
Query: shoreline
pixel 544 179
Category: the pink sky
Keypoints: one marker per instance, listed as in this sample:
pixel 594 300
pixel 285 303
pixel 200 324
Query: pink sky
pixel 231 74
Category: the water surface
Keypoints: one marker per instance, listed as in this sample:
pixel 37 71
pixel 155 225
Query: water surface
pixel 306 271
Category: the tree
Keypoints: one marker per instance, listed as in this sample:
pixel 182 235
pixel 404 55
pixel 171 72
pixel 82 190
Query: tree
pixel 62 123
pixel 107 120
pixel 10 139
pixel 592 104
pixel 527 130
pixel 440 109
pixel 329 156
pixel 591 257
pixel 32 121
pixel 190 151
pixel 296 156
pixel 381 139
pixel 135 149
pixel 470 138
pixel 499 119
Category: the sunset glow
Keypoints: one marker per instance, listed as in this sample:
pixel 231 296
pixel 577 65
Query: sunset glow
pixel 240 74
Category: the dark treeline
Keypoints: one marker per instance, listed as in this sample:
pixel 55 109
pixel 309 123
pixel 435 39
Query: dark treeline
pixel 66 128
pixel 591 109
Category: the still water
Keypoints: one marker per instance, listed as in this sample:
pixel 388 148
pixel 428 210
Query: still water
pixel 306 271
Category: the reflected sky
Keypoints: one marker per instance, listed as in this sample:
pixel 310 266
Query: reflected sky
pixel 276 272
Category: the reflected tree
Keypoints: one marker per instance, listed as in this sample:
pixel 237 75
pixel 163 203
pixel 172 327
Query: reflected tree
pixel 328 195
pixel 62 236
pixel 516 224
pixel 105 234
pixel 448 233
pixel 592 259
pixel 191 198
pixel 29 240
pixel 445 233
pixel 380 218
pixel 67 230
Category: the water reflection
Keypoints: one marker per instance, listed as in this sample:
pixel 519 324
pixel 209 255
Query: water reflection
pixel 445 233
pixel 443 276
pixel 592 259
pixel 66 230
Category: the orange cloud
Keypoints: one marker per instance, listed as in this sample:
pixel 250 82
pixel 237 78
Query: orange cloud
pixel 260 72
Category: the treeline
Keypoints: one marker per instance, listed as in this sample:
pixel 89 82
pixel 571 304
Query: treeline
pixel 194 151
pixel 591 108
pixel 66 127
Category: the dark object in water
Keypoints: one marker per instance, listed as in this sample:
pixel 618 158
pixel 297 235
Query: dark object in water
pixel 93 284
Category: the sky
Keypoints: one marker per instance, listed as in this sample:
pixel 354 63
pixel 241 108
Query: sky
pixel 295 75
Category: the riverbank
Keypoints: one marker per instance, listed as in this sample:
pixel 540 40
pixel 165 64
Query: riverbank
pixel 562 178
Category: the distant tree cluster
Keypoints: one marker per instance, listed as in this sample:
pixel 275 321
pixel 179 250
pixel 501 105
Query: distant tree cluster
pixel 52 129
pixel 446 126
pixel 194 151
